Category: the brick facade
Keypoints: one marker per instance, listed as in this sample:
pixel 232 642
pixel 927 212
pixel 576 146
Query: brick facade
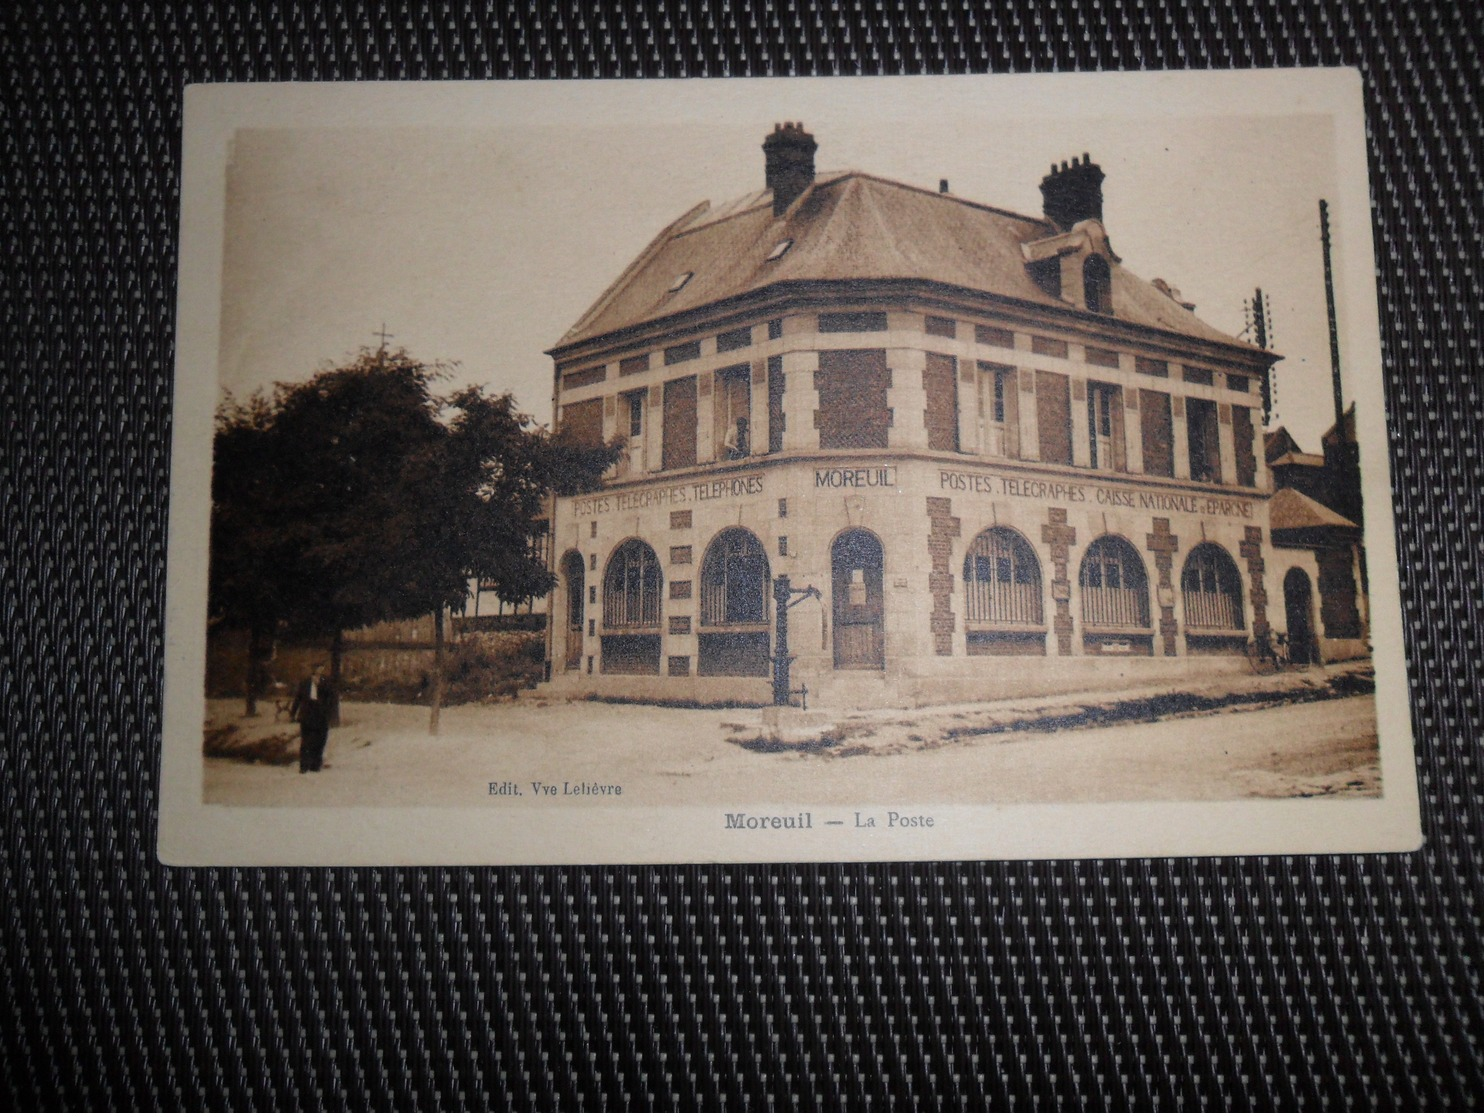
pixel 943 529
pixel 1163 546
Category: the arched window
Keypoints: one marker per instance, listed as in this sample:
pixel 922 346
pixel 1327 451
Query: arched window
pixel 1115 590
pixel 631 587
pixel 1212 588
pixel 1002 579
pixel 1097 285
pixel 734 580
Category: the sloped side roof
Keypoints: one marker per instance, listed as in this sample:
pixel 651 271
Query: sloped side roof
pixel 1291 510
pixel 1311 461
pixel 853 226
pixel 1278 442
pixel 1328 437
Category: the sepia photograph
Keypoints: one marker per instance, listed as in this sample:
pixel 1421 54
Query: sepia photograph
pixel 781 470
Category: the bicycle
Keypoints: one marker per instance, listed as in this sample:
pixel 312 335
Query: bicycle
pixel 1266 656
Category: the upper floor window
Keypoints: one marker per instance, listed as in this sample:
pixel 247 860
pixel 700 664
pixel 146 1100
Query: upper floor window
pixel 631 409
pixel 997 412
pixel 1204 439
pixel 732 412
pixel 1105 425
pixel 1097 285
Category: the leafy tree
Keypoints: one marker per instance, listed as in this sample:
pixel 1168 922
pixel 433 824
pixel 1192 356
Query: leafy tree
pixel 363 496
pixel 244 589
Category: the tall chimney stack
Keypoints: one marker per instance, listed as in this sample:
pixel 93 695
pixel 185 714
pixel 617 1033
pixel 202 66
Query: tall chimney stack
pixel 1073 193
pixel 788 158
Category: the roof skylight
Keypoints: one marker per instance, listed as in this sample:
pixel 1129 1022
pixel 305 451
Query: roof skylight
pixel 681 280
pixel 779 249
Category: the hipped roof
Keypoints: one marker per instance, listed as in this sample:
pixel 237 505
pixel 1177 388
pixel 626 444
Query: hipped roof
pixel 854 226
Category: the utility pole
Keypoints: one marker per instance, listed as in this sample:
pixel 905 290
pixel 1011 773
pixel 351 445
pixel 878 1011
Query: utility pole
pixel 381 350
pixel 1260 335
pixel 1334 329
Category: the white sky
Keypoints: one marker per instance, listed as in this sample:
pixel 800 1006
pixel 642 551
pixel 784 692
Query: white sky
pixel 481 236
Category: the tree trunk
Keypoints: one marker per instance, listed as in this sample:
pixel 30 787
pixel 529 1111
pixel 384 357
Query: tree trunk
pixel 337 650
pixel 259 651
pixel 437 671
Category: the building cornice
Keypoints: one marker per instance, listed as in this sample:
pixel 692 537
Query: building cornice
pixel 846 459
pixel 796 295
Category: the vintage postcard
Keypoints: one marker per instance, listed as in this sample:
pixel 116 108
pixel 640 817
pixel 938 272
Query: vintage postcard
pixel 781 470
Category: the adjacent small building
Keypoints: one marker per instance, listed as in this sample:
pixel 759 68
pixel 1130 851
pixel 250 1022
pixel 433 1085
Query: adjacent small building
pixel 1003 462
pixel 1316 522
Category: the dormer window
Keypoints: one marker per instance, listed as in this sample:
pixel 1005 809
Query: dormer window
pixel 779 250
pixel 1097 285
pixel 681 280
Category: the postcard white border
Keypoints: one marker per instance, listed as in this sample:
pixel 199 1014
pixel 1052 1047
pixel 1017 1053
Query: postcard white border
pixel 196 833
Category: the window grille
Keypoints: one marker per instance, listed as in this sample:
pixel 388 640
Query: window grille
pixel 734 580
pixel 1002 579
pixel 1212 588
pixel 631 587
pixel 1115 590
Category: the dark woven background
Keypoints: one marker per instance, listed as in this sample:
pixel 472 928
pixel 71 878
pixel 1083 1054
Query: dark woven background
pixel 1308 982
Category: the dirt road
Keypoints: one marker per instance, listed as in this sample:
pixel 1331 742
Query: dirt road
pixel 383 756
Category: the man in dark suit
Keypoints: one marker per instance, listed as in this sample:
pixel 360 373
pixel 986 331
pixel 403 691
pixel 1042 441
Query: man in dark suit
pixel 314 704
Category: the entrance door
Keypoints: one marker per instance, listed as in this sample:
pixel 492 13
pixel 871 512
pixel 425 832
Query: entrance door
pixel 856 593
pixel 1298 607
pixel 573 573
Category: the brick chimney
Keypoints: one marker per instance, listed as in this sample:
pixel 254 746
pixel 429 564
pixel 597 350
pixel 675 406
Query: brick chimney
pixel 788 156
pixel 1074 193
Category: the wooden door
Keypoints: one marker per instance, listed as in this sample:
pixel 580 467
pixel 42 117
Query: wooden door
pixel 856 593
pixel 576 590
pixel 1298 609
